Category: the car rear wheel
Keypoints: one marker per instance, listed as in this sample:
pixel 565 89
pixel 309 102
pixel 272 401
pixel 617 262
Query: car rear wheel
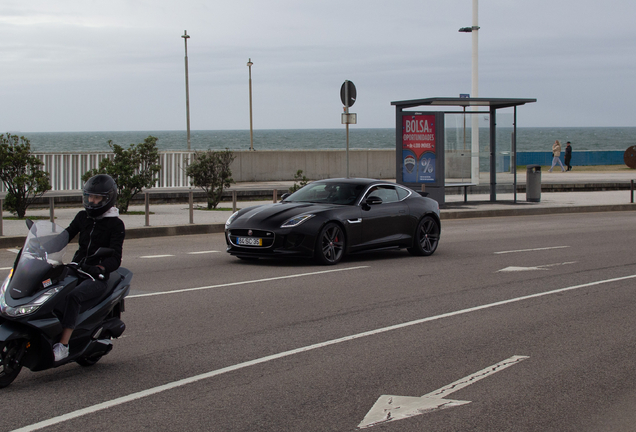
pixel 330 245
pixel 426 237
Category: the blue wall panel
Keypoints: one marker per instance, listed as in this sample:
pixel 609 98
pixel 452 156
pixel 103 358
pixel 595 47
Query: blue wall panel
pixel 582 157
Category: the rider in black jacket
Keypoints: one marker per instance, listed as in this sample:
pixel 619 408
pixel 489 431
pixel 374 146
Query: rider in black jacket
pixel 98 226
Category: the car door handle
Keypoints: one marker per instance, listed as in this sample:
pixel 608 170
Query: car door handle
pixel 354 221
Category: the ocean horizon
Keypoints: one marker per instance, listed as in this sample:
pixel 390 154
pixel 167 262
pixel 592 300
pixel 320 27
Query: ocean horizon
pixel 528 139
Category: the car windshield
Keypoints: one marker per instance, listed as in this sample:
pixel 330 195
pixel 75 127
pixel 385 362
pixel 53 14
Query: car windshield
pixel 328 193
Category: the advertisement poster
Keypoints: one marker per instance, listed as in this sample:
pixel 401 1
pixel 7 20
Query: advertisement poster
pixel 418 149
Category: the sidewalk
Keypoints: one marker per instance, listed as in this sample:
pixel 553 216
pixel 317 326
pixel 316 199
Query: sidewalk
pixel 174 219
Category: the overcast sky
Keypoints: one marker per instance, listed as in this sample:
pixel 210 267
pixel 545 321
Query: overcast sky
pixel 118 65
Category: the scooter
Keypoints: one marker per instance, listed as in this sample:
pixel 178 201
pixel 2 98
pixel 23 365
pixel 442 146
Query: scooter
pixel 31 298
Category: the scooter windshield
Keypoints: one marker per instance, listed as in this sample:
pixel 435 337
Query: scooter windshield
pixel 42 254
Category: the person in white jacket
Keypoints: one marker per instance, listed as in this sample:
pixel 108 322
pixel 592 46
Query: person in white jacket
pixel 556 152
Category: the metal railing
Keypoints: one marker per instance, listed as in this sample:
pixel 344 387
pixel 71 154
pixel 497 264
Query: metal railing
pixel 189 193
pixel 66 169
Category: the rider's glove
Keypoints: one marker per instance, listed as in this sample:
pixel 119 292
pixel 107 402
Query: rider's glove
pixel 97 272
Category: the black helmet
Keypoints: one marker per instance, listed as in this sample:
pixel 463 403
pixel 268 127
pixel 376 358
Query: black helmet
pixel 100 194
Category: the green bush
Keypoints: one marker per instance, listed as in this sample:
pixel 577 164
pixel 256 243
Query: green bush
pixel 210 171
pixel 299 181
pixel 21 174
pixel 133 169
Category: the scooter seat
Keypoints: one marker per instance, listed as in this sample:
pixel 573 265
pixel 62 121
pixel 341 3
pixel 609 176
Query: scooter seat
pixel 111 283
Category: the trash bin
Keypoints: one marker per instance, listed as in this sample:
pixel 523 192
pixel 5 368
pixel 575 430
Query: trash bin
pixel 533 183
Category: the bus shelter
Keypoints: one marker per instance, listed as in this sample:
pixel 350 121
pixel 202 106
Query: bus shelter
pixel 437 149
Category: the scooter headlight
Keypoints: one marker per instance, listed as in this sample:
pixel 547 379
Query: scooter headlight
pixel 28 308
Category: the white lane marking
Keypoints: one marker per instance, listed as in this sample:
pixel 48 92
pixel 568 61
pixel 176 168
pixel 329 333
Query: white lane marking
pixel 389 408
pixel 531 250
pixel 541 267
pixel 196 378
pixel 245 282
pixel 5 268
pixel 14 250
pixel 202 252
pixel 156 256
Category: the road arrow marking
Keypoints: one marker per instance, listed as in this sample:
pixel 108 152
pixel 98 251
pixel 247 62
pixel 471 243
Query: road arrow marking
pixel 390 408
pixel 541 267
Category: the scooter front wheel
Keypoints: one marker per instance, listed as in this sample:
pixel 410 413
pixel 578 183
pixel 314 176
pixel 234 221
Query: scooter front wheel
pixel 10 365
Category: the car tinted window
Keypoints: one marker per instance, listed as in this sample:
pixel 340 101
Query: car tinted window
pixel 331 193
pixel 388 194
pixel 402 193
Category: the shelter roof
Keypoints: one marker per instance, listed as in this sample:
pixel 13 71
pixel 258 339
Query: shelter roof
pixel 463 102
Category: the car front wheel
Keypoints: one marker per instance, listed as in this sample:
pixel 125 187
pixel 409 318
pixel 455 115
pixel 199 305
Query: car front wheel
pixel 426 237
pixel 330 245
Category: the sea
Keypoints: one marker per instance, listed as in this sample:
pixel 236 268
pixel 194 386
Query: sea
pixel 528 139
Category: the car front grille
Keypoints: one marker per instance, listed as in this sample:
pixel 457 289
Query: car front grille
pixel 267 238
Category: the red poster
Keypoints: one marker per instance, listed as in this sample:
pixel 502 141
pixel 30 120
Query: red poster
pixel 418 149
pixel 418 134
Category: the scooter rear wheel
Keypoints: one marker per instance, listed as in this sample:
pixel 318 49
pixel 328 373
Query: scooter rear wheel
pixel 9 366
pixel 88 361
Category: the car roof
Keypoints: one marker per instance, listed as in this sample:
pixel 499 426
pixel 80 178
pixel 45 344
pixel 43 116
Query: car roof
pixel 355 181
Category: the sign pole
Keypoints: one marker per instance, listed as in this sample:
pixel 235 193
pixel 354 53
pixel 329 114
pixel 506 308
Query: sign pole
pixel 347 125
pixel 348 98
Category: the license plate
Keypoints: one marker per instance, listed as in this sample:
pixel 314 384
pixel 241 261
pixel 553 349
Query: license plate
pixel 250 241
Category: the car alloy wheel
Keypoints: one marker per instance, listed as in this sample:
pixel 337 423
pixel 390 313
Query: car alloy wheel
pixel 330 246
pixel 426 237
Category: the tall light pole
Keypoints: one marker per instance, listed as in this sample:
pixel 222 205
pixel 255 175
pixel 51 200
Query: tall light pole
pixel 185 38
pixel 249 65
pixel 474 172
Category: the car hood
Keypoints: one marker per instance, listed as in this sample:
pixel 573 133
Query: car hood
pixel 276 213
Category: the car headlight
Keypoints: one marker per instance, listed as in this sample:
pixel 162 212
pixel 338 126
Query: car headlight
pixel 230 219
pixel 296 220
pixel 28 308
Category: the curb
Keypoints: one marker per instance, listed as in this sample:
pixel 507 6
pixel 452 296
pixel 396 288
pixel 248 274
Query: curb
pixel 466 214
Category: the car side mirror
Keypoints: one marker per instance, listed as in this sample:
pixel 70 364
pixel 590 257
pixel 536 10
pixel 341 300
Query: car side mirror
pixel 283 196
pixel 372 200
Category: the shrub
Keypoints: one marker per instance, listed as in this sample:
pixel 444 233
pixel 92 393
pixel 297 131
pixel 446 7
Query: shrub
pixel 210 171
pixel 133 169
pixel 298 177
pixel 21 174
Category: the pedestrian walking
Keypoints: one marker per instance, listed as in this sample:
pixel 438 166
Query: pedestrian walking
pixel 556 152
pixel 568 155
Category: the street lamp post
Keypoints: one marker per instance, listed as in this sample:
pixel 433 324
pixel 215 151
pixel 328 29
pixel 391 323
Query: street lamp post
pixel 474 174
pixel 185 38
pixel 249 65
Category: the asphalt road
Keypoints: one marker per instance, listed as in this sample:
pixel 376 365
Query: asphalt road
pixel 292 346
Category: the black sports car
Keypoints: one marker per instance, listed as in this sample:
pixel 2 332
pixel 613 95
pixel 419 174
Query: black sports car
pixel 328 219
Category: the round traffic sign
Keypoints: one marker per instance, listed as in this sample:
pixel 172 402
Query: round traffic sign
pixel 348 87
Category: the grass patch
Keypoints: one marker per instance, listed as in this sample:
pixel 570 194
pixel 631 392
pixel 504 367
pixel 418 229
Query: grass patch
pixel 26 217
pixel 215 209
